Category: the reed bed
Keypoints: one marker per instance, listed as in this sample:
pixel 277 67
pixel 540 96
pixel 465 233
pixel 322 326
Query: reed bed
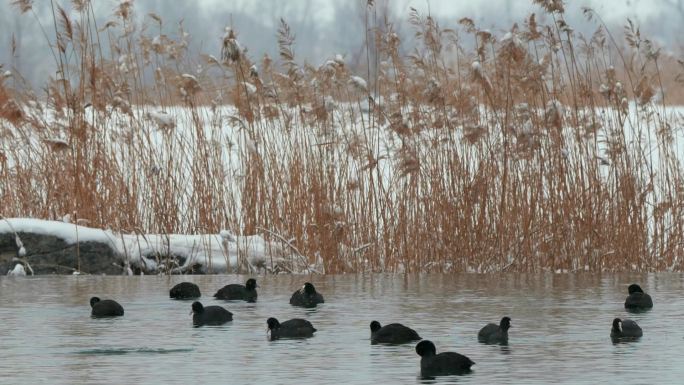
pixel 528 150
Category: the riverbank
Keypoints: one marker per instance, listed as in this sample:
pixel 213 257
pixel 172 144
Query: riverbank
pixel 532 150
pixel 56 247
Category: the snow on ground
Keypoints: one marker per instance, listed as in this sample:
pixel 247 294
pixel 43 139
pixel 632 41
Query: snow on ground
pixel 70 233
pixel 215 253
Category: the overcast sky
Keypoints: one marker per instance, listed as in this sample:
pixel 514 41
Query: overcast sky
pixel 322 27
pixel 323 11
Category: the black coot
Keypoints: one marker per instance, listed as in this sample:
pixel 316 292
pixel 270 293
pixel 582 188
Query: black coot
pixel 209 315
pixel 185 290
pixel 442 364
pixel 625 329
pixel 392 334
pixel 307 296
pixel 495 334
pixel 294 328
pixel 105 308
pixel 239 292
pixel 637 299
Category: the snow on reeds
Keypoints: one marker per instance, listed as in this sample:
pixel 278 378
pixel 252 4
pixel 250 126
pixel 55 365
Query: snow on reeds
pixel 538 149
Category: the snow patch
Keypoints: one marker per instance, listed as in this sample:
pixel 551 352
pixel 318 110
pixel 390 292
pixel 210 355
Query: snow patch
pixel 18 271
pixel 215 253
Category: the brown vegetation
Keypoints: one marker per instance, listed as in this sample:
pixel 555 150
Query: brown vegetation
pixel 535 150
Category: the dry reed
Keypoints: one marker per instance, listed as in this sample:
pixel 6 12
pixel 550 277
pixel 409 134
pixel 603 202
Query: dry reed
pixel 535 150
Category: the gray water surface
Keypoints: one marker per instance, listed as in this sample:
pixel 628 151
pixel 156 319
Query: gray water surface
pixel 560 334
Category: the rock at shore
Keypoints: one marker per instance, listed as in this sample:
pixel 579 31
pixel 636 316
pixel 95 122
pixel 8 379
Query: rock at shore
pixel 54 247
pixel 48 254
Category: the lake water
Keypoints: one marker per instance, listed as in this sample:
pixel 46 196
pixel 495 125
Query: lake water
pixel 560 334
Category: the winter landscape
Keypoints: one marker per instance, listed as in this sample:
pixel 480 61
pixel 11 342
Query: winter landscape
pixel 442 157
